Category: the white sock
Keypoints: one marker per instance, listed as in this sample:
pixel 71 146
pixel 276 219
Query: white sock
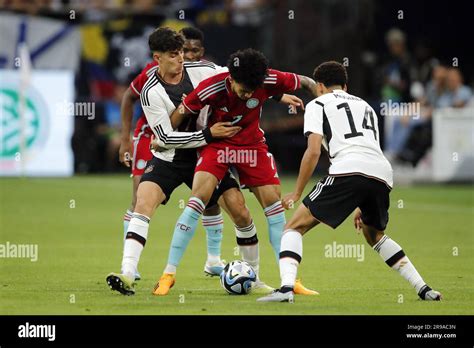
pixel 394 257
pixel 134 243
pixel 290 256
pixel 170 269
pixel 213 259
pixel 248 245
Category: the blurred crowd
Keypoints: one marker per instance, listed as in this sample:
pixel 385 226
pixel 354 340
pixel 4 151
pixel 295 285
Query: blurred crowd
pixel 423 82
pixel 114 49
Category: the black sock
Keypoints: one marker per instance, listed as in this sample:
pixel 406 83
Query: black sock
pixel 285 289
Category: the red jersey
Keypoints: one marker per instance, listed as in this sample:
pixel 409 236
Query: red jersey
pixel 227 106
pixel 136 86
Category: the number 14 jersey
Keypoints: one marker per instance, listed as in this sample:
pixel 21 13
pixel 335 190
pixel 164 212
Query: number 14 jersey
pixel 349 127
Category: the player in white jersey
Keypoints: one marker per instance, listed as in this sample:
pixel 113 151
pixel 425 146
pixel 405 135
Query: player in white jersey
pixel 360 178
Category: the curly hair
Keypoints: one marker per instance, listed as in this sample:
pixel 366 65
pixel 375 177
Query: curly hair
pixel 248 67
pixel 165 40
pixel 331 73
pixel 191 33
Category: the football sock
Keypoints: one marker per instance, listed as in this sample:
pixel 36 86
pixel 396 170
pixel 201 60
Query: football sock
pixel 248 245
pixel 134 243
pixel 276 223
pixel 394 257
pixel 213 226
pixel 184 232
pixel 126 220
pixel 290 257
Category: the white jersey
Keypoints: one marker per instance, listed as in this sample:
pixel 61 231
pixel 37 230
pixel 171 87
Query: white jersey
pixel 349 126
pixel 159 100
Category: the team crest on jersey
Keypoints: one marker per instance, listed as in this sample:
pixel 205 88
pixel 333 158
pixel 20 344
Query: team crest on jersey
pixel 149 168
pixel 252 103
pixel 141 164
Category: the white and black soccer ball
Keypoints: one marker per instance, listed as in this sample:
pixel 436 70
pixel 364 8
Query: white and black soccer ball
pixel 237 277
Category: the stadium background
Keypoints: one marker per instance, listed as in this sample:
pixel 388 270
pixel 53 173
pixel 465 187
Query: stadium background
pixel 103 44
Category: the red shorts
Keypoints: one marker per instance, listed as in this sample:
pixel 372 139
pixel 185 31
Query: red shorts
pixel 141 150
pixel 254 164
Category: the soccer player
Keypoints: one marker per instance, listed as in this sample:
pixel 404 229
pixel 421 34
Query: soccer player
pixel 360 179
pixel 193 50
pixel 237 96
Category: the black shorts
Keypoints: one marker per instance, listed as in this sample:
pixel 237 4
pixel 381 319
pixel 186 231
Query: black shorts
pixel 334 198
pixel 170 175
pixel 227 182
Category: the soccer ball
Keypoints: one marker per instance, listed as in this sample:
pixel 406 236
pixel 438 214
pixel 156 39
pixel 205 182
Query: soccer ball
pixel 237 277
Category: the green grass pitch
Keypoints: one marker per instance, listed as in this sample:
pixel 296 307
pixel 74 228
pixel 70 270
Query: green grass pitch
pixel 77 225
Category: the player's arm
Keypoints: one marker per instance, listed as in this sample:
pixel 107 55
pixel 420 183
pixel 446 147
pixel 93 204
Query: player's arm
pixel 126 114
pixel 290 99
pixel 280 82
pixel 308 165
pixel 308 84
pixel 313 129
pixel 179 115
pixel 166 138
pixel 158 118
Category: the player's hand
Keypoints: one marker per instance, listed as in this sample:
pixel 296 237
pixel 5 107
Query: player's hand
pixel 124 152
pixel 290 199
pixel 358 220
pixel 154 144
pixel 292 100
pixel 224 130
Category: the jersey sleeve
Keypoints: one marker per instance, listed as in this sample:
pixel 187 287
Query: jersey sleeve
pixel 279 82
pixel 199 97
pixel 313 119
pixel 158 118
pixel 137 84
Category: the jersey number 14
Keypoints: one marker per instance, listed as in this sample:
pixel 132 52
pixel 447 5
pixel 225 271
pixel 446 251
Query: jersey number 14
pixel 368 122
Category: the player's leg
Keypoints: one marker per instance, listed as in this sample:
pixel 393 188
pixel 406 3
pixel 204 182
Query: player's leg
pixel 204 184
pixel 373 219
pixel 269 197
pixel 213 224
pixel 262 178
pixel 259 173
pixel 330 202
pixel 291 253
pixel 246 234
pixel 149 196
pixel 208 173
pixel 141 155
pixel 156 186
pixel 129 214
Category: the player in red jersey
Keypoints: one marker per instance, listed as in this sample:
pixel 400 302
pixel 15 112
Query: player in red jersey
pixel 237 96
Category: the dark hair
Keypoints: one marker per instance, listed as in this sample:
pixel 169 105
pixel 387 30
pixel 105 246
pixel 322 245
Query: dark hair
pixel 165 40
pixel 330 74
pixel 191 33
pixel 248 67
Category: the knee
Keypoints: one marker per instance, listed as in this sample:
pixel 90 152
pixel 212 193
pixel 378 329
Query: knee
pixel 142 206
pixel 373 236
pixel 211 211
pixel 133 204
pixel 241 216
